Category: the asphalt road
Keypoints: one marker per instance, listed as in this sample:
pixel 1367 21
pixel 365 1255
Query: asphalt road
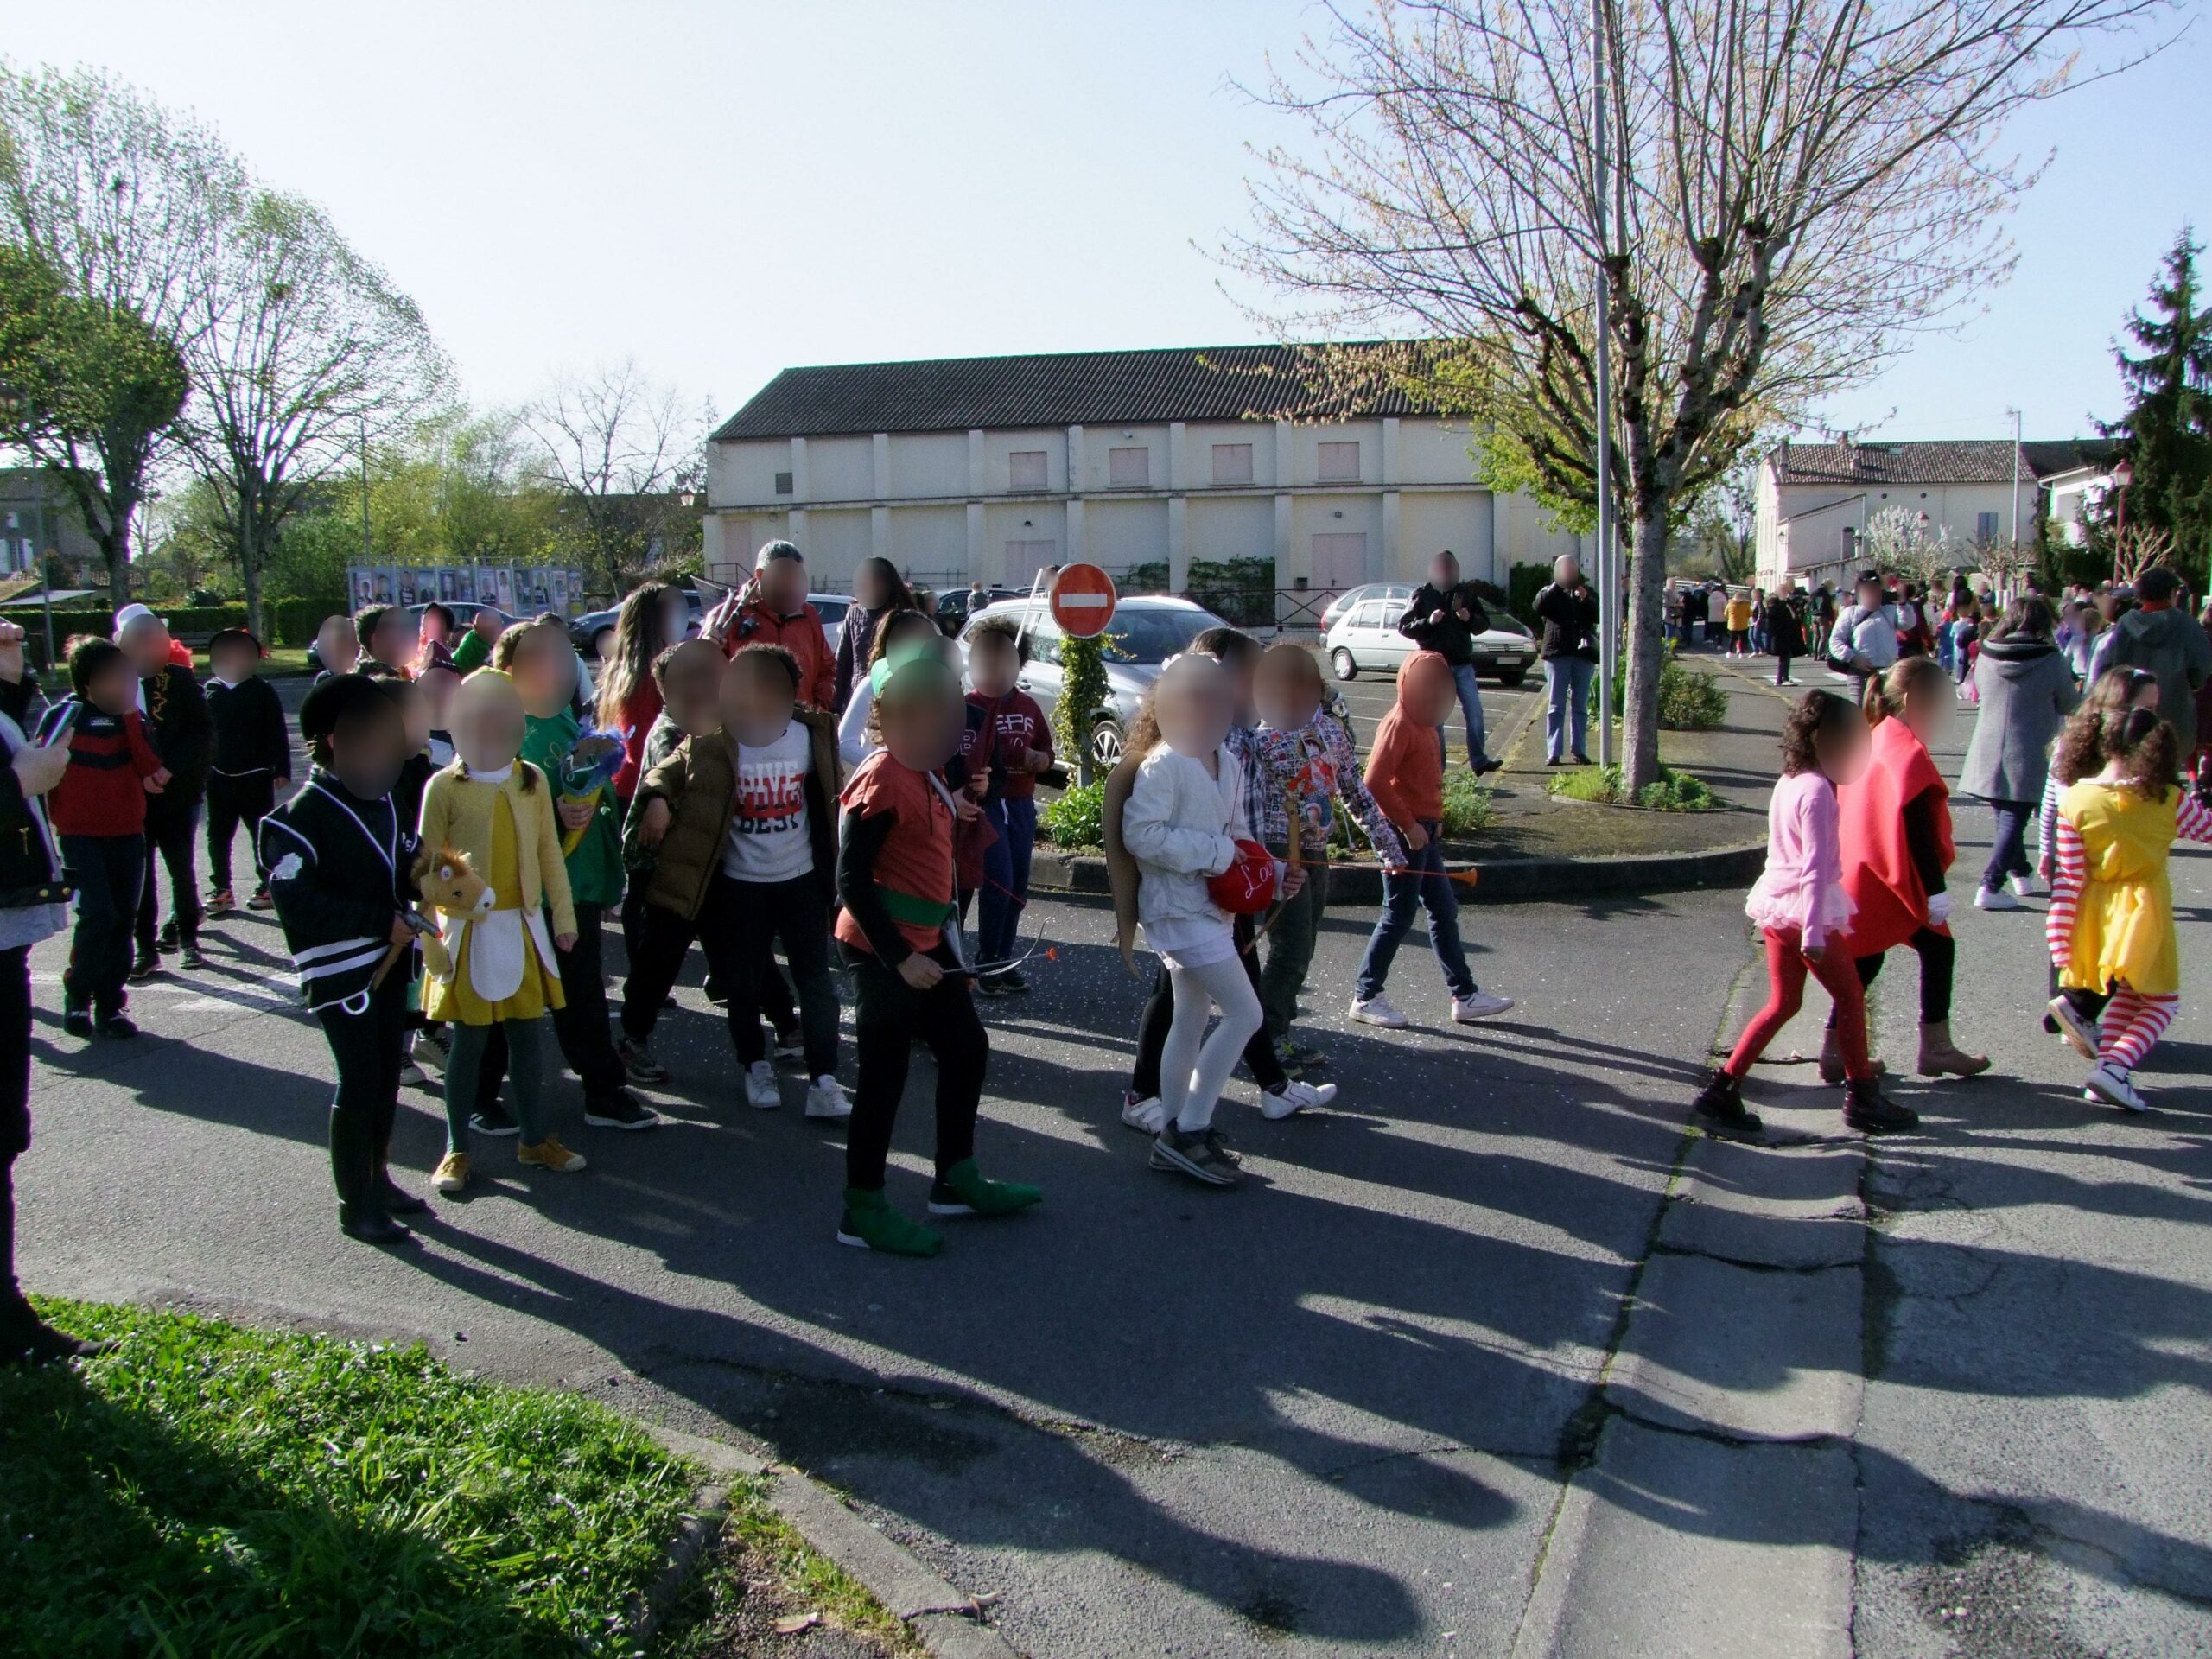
pixel 1329 1413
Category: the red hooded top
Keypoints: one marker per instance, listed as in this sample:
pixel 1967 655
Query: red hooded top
pixel 1405 774
pixel 1891 899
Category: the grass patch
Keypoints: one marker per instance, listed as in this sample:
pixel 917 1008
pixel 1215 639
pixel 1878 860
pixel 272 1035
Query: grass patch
pixel 1672 791
pixel 1076 822
pixel 1468 805
pixel 207 1489
pixel 761 1580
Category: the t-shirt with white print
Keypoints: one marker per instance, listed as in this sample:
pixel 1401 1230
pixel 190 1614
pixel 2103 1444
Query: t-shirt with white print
pixel 768 838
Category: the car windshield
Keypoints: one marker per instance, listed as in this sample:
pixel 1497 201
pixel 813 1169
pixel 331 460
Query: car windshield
pixel 1152 636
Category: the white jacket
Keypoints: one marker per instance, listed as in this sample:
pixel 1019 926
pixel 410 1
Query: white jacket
pixel 1181 827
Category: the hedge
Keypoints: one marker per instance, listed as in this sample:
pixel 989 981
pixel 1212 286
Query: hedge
pixel 286 621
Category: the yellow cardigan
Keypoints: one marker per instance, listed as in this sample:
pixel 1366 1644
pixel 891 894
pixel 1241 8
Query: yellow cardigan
pixel 461 818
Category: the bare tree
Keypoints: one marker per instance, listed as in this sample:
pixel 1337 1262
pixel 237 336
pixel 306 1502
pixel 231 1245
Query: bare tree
pixel 2138 549
pixel 123 199
pixel 300 349
pixel 621 454
pixel 1795 187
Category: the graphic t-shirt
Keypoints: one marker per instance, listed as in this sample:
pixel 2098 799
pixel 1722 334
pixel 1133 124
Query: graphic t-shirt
pixel 768 839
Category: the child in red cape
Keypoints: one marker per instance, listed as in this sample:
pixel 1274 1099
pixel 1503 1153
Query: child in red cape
pixel 1896 834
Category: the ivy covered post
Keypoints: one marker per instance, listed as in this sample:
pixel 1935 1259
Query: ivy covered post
pixel 1082 694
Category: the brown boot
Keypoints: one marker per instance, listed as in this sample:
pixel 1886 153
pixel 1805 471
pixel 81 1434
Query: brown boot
pixel 1939 1054
pixel 1832 1058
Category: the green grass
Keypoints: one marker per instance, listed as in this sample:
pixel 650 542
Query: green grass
pixel 1674 792
pixel 1468 805
pixel 207 1489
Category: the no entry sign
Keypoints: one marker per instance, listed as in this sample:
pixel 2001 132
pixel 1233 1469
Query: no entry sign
pixel 1083 600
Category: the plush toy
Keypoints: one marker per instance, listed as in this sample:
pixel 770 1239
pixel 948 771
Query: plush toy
pixel 449 885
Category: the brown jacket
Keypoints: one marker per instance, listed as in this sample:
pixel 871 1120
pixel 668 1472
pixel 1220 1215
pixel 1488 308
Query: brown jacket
pixel 699 783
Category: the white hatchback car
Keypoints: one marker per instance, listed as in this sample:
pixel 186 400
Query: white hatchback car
pixel 1366 637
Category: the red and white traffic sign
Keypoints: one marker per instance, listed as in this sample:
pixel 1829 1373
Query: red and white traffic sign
pixel 1083 600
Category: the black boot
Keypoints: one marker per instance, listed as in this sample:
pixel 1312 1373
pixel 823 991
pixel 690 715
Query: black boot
pixel 1721 1103
pixel 395 1200
pixel 1866 1110
pixel 371 1226
pixel 26 1339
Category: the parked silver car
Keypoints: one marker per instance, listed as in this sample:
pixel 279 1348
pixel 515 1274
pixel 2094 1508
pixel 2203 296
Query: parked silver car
pixel 1143 634
pixel 1367 637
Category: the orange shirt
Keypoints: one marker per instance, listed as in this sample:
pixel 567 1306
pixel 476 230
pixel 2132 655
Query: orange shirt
pixel 801 635
pixel 916 862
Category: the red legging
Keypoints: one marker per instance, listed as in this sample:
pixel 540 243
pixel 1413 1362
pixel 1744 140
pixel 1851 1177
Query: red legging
pixel 1786 966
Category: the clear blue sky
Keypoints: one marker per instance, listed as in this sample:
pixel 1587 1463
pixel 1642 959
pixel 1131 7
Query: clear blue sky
pixel 721 189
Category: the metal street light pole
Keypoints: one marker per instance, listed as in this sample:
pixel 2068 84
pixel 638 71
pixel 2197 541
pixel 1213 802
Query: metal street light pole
pixel 1608 570
pixel 2012 574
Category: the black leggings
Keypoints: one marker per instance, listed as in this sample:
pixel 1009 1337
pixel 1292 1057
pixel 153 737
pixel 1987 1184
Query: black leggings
pixel 1260 1056
pixel 888 1015
pixel 367 1048
pixel 14 1107
pixel 175 836
pixel 1937 953
pixel 232 802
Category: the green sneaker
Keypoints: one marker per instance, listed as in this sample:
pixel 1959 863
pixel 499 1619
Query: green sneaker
pixel 870 1223
pixel 962 1191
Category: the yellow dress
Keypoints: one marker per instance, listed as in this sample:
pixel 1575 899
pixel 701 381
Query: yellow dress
pixel 536 991
pixel 2123 926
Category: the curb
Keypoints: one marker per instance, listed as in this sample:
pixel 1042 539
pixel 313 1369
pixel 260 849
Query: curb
pixel 1084 875
pixel 947 1623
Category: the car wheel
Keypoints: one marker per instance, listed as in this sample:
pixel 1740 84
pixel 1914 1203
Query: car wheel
pixel 1512 676
pixel 1340 660
pixel 1107 741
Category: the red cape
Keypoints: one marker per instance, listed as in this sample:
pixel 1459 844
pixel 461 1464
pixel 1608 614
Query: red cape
pixel 1891 901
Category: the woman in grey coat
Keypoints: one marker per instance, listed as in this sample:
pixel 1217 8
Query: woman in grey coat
pixel 2027 689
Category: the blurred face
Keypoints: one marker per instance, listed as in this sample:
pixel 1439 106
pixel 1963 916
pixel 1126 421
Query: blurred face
pixel 487 722
pixel 1566 571
pixel 1437 703
pixel 1287 698
pixel 920 713
pixel 1443 571
pixel 1870 595
pixel 674 618
pixel 1244 671
pixel 1195 702
pixel 114 688
pixel 368 751
pixel 783 586
pixel 336 646
pixel 437 686
pixel 414 716
pixel 869 588
pixel 602 646
pixel 146 642
pixel 756 704
pixel 544 670
pixel 433 629
pixel 1842 750
pixel 394 638
pixel 993 665
pixel 1929 713
pixel 690 687
pixel 489 624
pixel 233 663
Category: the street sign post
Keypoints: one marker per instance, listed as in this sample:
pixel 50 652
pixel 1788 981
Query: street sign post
pixel 1083 600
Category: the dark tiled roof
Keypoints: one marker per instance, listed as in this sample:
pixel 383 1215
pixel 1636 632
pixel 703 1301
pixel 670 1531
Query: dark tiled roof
pixel 1959 460
pixel 2048 455
pixel 1065 389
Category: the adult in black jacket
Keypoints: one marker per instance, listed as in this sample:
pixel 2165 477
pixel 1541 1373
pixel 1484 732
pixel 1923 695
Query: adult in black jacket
pixel 183 734
pixel 1785 631
pixel 32 906
pixel 341 868
pixel 252 758
pixel 1568 611
pixel 1444 617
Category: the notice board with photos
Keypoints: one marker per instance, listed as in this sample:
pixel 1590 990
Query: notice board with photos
pixel 515 590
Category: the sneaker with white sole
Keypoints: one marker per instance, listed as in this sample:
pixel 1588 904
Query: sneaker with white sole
pixel 1295 1097
pixel 2025 887
pixel 1994 899
pixel 2114 1087
pixel 1378 1010
pixel 620 1110
pixel 636 1054
pixel 1146 1116
pixel 788 1044
pixel 1483 1005
pixel 2081 1033
pixel 762 1092
pixel 411 1076
pixel 1202 1154
pixel 432 1049
pixel 824 1098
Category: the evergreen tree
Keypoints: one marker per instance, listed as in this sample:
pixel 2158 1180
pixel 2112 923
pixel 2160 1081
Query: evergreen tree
pixel 2167 432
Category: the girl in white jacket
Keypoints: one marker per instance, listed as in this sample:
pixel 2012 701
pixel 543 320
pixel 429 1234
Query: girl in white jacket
pixel 1185 815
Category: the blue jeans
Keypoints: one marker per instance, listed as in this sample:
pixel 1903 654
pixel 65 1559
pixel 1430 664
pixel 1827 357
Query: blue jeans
pixel 1422 882
pixel 1566 680
pixel 1471 709
pixel 107 872
pixel 1005 879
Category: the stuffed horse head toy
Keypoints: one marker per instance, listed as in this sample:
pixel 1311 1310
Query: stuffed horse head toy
pixel 450 885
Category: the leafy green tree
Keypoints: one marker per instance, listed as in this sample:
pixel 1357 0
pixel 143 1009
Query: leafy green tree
pixel 2167 431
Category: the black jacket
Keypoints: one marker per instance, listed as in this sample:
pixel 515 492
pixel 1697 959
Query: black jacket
pixel 1450 638
pixel 1570 622
pixel 340 868
pixel 178 726
pixel 251 735
pixel 30 868
pixel 1785 628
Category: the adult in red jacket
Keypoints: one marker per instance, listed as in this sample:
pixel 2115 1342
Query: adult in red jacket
pixel 772 610
pixel 1894 826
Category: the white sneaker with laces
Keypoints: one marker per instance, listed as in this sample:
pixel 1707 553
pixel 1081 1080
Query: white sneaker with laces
pixel 762 1092
pixel 1148 1116
pixel 825 1099
pixel 2115 1088
pixel 1994 899
pixel 2025 887
pixel 1295 1097
pixel 1376 1010
pixel 1481 1005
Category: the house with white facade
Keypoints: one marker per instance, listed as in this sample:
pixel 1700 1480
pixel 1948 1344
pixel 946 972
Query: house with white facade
pixel 990 469
pixel 1814 499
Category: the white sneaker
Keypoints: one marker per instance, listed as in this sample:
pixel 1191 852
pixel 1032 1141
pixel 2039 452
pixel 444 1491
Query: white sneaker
pixel 761 1089
pixel 1294 1097
pixel 1481 1005
pixel 1148 1116
pixel 825 1099
pixel 411 1076
pixel 1377 1011
pixel 2075 1029
pixel 1997 899
pixel 2025 887
pixel 2115 1088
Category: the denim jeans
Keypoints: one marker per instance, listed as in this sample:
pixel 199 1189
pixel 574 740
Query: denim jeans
pixel 1422 882
pixel 2008 850
pixel 1006 879
pixel 106 871
pixel 1567 681
pixel 1471 710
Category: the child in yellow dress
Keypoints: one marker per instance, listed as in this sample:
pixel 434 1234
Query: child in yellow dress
pixel 497 810
pixel 2111 924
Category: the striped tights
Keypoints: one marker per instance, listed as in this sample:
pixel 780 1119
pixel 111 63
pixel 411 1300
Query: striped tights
pixel 2132 1022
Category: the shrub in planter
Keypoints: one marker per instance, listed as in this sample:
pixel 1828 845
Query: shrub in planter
pixel 1672 791
pixel 1077 820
